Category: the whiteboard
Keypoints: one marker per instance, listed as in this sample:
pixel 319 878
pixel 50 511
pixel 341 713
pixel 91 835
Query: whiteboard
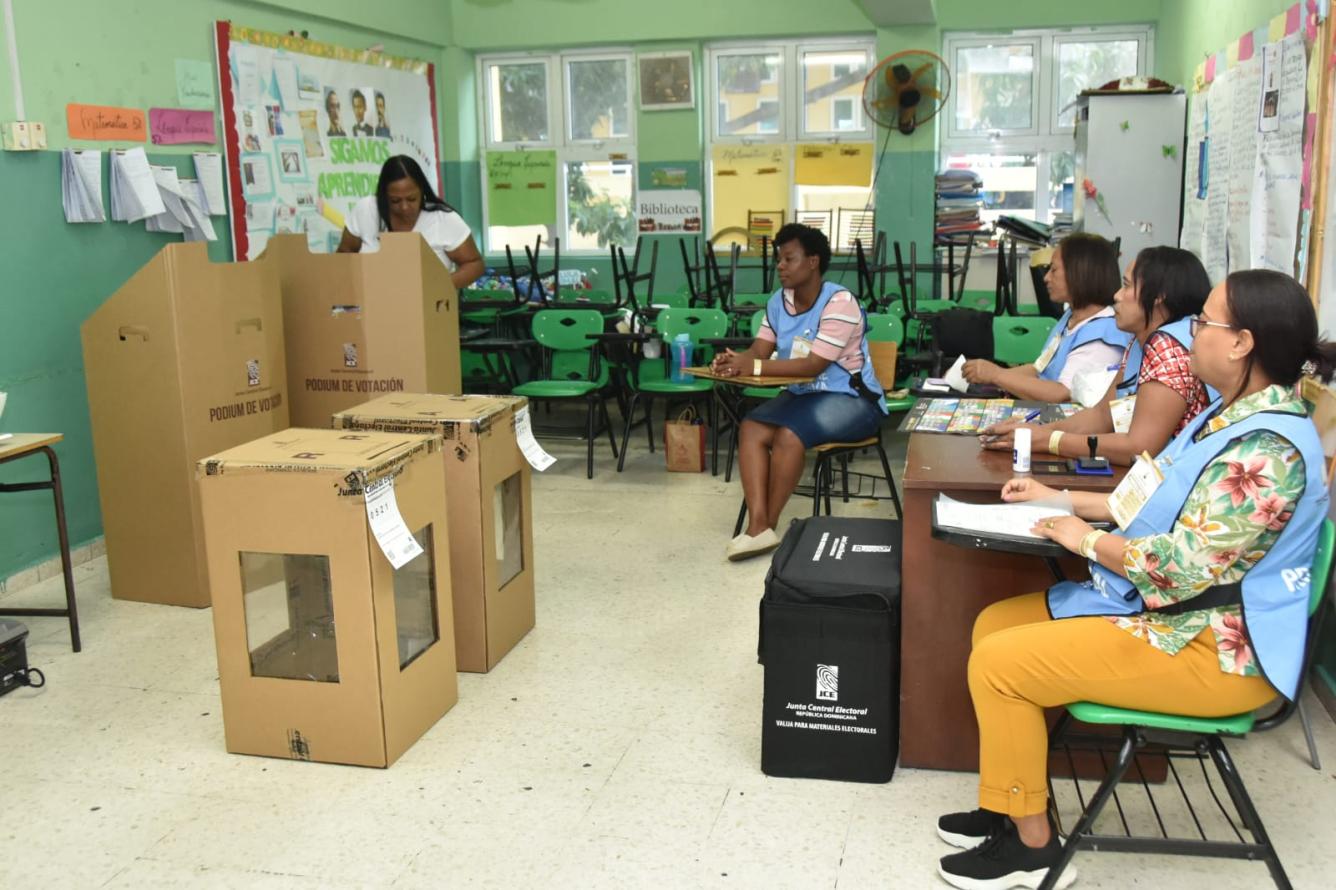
pixel 307 127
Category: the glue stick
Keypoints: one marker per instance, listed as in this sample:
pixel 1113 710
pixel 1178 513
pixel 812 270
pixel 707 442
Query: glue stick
pixel 1020 451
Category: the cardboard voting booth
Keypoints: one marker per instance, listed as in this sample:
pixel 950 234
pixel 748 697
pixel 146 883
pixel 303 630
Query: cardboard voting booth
pixel 361 325
pixel 487 494
pixel 184 360
pixel 330 568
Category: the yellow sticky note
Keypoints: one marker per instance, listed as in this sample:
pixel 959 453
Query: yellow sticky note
pixel 1232 54
pixel 1276 29
pixel 1199 78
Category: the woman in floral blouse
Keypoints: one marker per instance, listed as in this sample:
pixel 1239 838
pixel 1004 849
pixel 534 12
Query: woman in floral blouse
pixel 1197 607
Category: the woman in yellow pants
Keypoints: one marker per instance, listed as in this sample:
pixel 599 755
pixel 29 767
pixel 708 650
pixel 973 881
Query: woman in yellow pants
pixel 1223 522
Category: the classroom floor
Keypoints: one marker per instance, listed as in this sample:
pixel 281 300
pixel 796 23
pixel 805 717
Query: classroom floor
pixel 617 746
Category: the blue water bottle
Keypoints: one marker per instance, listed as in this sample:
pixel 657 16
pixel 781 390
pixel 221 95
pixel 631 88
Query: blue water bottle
pixel 681 358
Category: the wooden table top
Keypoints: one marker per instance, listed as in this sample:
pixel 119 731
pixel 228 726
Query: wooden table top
pixel 22 443
pixel 747 379
pixel 941 461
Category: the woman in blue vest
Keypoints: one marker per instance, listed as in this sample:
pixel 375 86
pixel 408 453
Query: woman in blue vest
pixel 812 328
pixel 1198 605
pixel 1146 402
pixel 1084 275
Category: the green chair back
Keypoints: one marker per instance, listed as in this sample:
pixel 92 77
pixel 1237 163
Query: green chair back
pixel 1019 340
pixel 757 300
pixel 885 327
pixel 757 319
pixel 485 295
pixel 699 324
pixel 473 369
pixel 564 333
pixel 676 300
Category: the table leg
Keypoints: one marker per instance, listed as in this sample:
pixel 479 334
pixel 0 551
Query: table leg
pixel 58 495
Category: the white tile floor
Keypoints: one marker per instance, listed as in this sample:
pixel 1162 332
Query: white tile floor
pixel 617 746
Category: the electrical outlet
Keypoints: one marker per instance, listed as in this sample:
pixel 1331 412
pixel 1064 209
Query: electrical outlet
pixel 37 129
pixel 17 136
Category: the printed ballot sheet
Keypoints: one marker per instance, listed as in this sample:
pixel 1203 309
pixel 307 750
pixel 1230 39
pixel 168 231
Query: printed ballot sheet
pixel 81 186
pixel 1003 520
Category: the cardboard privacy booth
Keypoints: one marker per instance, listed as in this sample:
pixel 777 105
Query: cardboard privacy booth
pixel 361 325
pixel 487 493
pixel 326 650
pixel 183 360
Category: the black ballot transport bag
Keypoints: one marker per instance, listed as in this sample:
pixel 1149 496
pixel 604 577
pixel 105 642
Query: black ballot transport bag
pixel 830 644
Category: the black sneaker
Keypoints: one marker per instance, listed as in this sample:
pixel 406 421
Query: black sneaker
pixel 968 830
pixel 1003 861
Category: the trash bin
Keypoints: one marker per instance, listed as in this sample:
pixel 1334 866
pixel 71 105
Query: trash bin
pixel 830 644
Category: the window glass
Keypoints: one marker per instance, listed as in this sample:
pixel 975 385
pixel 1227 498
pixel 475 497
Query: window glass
pixel 994 88
pixel 1090 64
pixel 833 90
pixel 599 209
pixel 749 91
pixel 1009 182
pixel 517 102
pixel 600 99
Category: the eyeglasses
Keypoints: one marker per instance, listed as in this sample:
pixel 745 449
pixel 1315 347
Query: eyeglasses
pixel 1196 323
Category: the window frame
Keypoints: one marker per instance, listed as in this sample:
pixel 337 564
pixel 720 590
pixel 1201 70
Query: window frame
pixel 1045 139
pixel 568 150
pixel 713 53
pixel 863 133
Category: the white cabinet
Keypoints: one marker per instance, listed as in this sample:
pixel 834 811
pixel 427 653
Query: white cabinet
pixel 1130 149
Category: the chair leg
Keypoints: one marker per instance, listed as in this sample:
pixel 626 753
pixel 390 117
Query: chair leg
pixel 1229 774
pixel 1313 757
pixel 742 518
pixel 607 425
pixel 649 425
pixel 829 483
pixel 890 480
pixel 714 436
pixel 732 447
pixel 844 477
pixel 817 478
pixel 589 437
pixel 626 430
pixel 1126 752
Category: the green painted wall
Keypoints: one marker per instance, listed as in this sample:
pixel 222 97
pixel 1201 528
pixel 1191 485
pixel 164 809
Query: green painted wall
pixel 59 274
pixel 1190 30
pixel 982 15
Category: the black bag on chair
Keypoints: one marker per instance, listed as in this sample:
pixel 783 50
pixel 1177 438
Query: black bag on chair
pixel 963 331
pixel 830 643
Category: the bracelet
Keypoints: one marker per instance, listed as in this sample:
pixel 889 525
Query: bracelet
pixel 1089 542
pixel 1054 438
pixel 756 367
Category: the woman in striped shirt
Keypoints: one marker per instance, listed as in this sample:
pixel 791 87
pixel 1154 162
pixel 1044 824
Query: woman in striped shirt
pixel 813 328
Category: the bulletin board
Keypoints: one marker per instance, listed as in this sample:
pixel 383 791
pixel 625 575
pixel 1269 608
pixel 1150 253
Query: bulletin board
pixel 1249 180
pixel 308 125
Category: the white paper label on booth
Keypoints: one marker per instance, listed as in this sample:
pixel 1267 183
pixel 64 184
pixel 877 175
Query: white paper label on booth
pixel 533 452
pixel 387 524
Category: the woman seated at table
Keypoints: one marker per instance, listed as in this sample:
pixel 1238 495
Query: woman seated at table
pixel 405 202
pixel 812 328
pixel 1084 275
pixel 1188 611
pixel 1143 407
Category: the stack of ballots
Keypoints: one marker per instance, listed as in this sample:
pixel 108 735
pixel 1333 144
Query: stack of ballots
pixel 958 202
pixel 158 196
pixel 81 186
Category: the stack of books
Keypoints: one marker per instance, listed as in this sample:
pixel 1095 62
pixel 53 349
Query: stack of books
pixel 958 202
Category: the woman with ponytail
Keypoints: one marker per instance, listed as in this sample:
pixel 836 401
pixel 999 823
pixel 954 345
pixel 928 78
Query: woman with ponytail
pixel 1197 605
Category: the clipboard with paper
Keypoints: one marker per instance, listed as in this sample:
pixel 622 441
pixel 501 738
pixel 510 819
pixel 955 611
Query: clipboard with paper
pixel 1001 527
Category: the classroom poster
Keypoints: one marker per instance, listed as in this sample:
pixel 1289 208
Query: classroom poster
pixel 1277 185
pixel 307 127
pixel 750 179
pixel 667 211
pixel 521 187
pixel 1194 203
pixel 1244 97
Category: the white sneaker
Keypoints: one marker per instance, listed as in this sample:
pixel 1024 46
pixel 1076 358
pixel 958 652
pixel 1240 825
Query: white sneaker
pixel 745 546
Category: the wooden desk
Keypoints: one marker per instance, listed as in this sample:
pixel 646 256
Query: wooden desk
pixel 944 588
pixel 730 405
pixel 19 446
pixel 748 379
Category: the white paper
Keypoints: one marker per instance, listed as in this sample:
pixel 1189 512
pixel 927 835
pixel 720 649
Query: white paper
pixel 1268 109
pixel 260 216
pixel 1012 520
pixel 1214 252
pixel 533 452
pixel 1277 181
pixel 81 186
pixel 1246 91
pixel 134 192
pixel 248 75
pixel 255 176
pixel 1194 207
pixel 954 378
pixel 209 171
pixel 387 524
pixel 285 74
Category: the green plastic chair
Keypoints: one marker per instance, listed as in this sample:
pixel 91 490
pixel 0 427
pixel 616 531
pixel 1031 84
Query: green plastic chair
pixel 1018 340
pixel 1206 735
pixel 744 306
pixel 572 368
pixel 653 378
pixel 887 329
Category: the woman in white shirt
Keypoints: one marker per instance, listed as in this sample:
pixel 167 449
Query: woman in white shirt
pixel 405 202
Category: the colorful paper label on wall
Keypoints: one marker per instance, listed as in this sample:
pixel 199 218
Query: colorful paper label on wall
pixel 105 122
pixel 521 188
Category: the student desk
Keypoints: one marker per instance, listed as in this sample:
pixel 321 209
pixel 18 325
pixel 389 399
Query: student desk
pixel 944 587
pixel 16 447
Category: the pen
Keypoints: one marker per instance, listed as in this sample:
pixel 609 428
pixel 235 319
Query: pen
pixel 1032 415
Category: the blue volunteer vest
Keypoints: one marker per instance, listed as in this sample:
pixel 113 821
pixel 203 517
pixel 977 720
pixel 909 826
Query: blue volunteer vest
pixel 1274 591
pixel 1099 329
pixel 1181 331
pixel 806 324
